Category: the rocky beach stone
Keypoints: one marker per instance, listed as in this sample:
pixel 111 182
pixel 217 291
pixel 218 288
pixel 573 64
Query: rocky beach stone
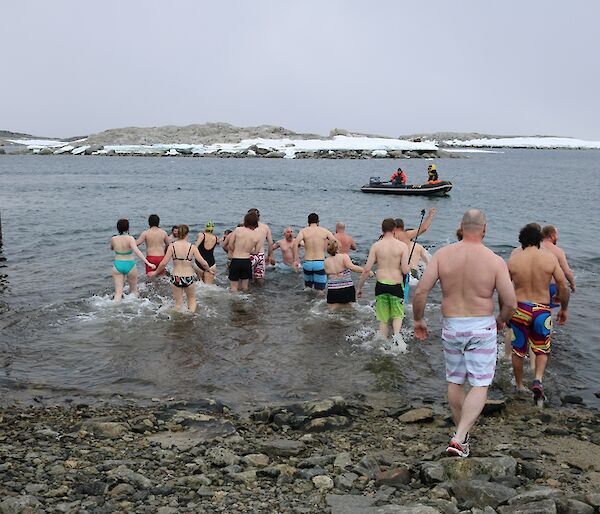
pixel 282 447
pixel 538 507
pixel 466 469
pixel 221 457
pixel 105 429
pixel 393 477
pixel 477 493
pixel 493 407
pixel 257 460
pixel 342 460
pixel 419 415
pixel 323 482
pixel 368 466
pixel 20 504
pixel 127 475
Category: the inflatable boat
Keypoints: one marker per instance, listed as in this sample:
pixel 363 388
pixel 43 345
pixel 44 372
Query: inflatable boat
pixel 437 188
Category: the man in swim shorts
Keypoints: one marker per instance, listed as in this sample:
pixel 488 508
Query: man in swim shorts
pixel 549 243
pixel 257 256
pixel 314 238
pixel 242 241
pixel 532 270
pixel 391 258
pixel 469 273
pixel 156 240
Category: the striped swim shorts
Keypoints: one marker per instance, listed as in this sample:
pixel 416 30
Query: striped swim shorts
pixel 470 349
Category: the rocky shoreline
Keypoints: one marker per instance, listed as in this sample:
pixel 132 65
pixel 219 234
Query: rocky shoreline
pixel 336 455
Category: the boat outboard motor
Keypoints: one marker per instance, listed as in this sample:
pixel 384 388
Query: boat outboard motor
pixel 375 181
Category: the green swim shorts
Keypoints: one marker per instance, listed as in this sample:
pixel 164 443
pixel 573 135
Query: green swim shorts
pixel 389 301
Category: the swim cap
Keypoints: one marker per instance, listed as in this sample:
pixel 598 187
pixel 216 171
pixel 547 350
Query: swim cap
pixel 209 226
pixel 432 167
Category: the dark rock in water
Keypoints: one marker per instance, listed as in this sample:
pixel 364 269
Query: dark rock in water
pixel 393 477
pixel 282 447
pixel 394 412
pixel 571 398
pixel 597 394
pixel 538 507
pixel 493 407
pixel 477 493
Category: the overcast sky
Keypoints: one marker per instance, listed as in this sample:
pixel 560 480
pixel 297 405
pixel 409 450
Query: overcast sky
pixel 388 67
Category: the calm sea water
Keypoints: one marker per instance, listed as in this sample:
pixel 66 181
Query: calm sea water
pixel 62 338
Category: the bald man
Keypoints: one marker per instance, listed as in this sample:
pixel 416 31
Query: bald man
pixel 469 273
pixel 345 241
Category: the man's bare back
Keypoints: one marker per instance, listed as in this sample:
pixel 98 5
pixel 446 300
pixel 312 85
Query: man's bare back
pixel 314 238
pixel 532 270
pixel 243 240
pixel 156 240
pixel 469 272
pixel 391 257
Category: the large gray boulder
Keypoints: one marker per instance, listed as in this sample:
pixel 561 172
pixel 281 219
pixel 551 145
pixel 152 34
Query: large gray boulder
pixel 466 469
pixel 477 493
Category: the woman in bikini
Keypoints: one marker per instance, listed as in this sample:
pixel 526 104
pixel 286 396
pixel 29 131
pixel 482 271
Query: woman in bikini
pixel 338 266
pixel 124 264
pixel 206 244
pixel 183 277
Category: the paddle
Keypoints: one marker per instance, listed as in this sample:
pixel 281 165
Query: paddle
pixel 407 278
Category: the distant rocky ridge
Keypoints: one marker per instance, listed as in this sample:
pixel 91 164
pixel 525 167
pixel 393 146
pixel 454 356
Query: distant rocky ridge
pixel 226 140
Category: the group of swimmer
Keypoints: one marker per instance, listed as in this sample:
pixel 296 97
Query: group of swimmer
pixel 535 280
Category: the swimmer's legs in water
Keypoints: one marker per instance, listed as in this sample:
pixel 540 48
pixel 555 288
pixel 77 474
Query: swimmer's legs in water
pixel 119 280
pixel 119 283
pixel 396 327
pixel 178 296
pixel 239 285
pixel 190 293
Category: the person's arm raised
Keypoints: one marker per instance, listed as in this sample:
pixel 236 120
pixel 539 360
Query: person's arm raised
pixel 412 233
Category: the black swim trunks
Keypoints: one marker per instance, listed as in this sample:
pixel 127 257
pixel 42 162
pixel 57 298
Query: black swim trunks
pixel 341 295
pixel 240 269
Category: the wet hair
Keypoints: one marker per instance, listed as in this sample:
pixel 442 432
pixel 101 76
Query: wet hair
pixel 254 210
pixel 399 223
pixel 153 220
pixel 123 225
pixel 473 220
pixel 251 220
pixel 332 247
pixel 459 234
pixel 548 231
pixel 182 231
pixel 174 228
pixel 388 225
pixel 313 217
pixel 530 236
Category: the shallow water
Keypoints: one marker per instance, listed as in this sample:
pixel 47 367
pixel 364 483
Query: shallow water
pixel 62 338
